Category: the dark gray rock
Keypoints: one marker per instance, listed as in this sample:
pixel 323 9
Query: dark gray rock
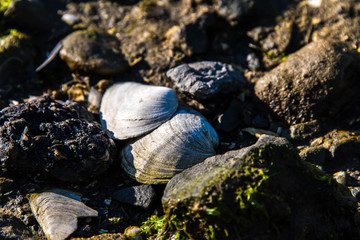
pixel 93 51
pixel 204 80
pixel 264 191
pixel 45 136
pixel 12 228
pixel 140 196
pixel 314 82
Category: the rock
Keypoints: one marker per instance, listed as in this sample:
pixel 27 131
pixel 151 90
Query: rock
pixel 317 155
pixel 133 233
pixel 314 82
pixel 233 10
pixel 141 196
pixel 343 149
pixel 340 177
pixel 12 228
pixel 264 191
pixel 47 137
pixel 306 130
pixel 57 213
pixel 92 51
pixel 28 15
pixel 206 79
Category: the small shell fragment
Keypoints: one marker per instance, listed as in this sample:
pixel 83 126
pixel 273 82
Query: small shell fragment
pixel 57 214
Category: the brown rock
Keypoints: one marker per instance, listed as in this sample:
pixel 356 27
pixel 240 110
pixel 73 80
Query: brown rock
pixel 314 82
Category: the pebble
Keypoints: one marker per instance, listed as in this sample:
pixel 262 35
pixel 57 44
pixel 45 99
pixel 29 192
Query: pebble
pixel 140 196
pixel 204 80
pixel 93 51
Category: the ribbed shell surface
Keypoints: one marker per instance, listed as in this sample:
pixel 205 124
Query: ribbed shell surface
pixel 183 141
pixel 130 109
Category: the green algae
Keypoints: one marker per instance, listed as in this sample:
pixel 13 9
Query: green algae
pixel 4 4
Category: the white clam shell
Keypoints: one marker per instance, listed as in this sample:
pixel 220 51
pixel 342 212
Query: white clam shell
pixel 57 214
pixel 130 109
pixel 181 142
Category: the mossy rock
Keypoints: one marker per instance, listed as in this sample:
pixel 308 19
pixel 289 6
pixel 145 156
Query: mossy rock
pixel 264 191
pixel 93 51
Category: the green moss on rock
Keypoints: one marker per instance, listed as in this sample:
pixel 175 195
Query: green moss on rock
pixel 4 4
pixel 262 192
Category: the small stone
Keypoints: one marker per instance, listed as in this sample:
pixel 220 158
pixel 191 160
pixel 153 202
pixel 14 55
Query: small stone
pixel 133 233
pixel 340 177
pixel 233 10
pixel 204 80
pixel 302 131
pixel 355 191
pixel 92 51
pixel 141 196
pixel 69 19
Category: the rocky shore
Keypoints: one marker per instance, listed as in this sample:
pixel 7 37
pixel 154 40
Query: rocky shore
pixel 179 119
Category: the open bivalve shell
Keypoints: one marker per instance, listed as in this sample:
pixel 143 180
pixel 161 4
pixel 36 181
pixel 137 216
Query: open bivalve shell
pixel 57 214
pixel 181 142
pixel 130 109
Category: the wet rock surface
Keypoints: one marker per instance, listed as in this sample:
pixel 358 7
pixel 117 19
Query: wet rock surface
pixel 313 45
pixel 44 136
pixel 251 190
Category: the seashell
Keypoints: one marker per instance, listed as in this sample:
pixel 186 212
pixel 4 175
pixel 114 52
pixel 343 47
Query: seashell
pixel 181 142
pixel 130 109
pixel 57 214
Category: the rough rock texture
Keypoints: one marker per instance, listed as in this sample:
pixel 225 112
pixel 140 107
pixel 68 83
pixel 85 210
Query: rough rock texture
pixel 94 52
pixel 314 82
pixel 264 191
pixel 203 80
pixel 342 150
pixel 44 136
pixel 141 196
pixel 12 228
